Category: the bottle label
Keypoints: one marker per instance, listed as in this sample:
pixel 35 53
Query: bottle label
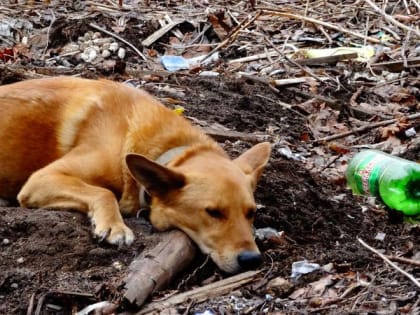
pixel 367 174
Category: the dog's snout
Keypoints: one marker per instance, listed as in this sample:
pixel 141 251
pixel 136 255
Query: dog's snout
pixel 248 260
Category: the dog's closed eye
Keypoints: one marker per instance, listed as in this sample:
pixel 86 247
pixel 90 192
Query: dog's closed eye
pixel 215 213
pixel 250 215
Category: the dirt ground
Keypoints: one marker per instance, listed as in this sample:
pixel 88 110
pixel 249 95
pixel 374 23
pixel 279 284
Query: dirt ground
pixel 50 263
pixel 47 252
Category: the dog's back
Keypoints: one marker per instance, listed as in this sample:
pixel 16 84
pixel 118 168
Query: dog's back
pixel 41 120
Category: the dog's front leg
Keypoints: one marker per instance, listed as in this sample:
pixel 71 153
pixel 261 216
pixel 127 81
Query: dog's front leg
pixel 54 189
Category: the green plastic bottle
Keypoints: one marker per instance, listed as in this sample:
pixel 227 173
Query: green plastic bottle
pixel 394 180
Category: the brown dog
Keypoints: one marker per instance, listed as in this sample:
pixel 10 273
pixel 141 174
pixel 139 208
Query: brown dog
pixel 71 143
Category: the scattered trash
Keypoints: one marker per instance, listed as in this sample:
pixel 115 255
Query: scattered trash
pixel 380 236
pixel 411 132
pixel 176 63
pixel 303 267
pixel 287 152
pixel 179 109
pixel 363 53
pixel 5 29
pixel 394 180
pixel 6 54
pixel 209 74
pixel 99 308
pixel 271 235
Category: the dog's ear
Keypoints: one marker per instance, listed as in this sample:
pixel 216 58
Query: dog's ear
pixel 156 179
pixel 252 161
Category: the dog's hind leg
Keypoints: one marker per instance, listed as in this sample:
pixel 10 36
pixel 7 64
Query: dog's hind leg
pixel 64 184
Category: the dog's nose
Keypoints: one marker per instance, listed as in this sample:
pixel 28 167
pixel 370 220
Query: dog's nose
pixel 249 260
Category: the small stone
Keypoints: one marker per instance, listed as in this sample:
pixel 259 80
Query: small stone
pixel 114 47
pixel 106 53
pixel 121 53
pixel 117 265
pixel 88 36
pixel 20 260
pixel 89 54
pixel 14 285
pixel 6 241
pixel 84 57
pixel 96 35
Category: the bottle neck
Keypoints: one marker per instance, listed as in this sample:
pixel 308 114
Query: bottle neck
pixel 413 189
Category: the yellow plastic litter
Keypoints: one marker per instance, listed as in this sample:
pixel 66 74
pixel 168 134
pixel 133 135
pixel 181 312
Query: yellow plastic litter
pixel 179 110
pixel 364 53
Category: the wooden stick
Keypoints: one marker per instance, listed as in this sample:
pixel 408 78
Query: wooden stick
pixel 312 61
pixel 160 32
pixel 272 11
pixel 265 55
pixel 155 268
pixel 223 135
pixel 398 65
pixel 96 27
pixel 365 128
pixel 409 276
pixel 202 293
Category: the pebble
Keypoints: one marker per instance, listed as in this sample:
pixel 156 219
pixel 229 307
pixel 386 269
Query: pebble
pixel 96 35
pixel 14 285
pixel 6 241
pixel 95 48
pixel 87 36
pixel 117 265
pixel 89 54
pixel 20 260
pixel 106 53
pixel 113 47
pixel 121 53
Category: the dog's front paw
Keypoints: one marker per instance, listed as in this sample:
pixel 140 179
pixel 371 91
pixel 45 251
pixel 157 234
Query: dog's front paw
pixel 117 233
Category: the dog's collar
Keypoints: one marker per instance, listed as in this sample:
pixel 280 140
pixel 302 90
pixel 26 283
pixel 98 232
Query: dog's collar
pixel 164 159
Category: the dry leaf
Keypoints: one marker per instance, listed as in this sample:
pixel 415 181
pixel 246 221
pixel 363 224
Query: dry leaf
pixel 221 24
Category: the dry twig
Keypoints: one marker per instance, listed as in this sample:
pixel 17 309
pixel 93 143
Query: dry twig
pixel 271 11
pixel 202 293
pixel 391 19
pixel 406 274
pixel 366 128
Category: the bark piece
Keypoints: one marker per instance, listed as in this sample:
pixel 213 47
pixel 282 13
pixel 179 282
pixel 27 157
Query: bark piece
pixel 155 268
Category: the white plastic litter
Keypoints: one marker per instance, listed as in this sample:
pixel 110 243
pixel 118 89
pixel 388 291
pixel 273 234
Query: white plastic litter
pixel 93 307
pixel 176 63
pixel 303 267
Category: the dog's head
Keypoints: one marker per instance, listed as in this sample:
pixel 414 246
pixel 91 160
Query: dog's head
pixel 209 197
